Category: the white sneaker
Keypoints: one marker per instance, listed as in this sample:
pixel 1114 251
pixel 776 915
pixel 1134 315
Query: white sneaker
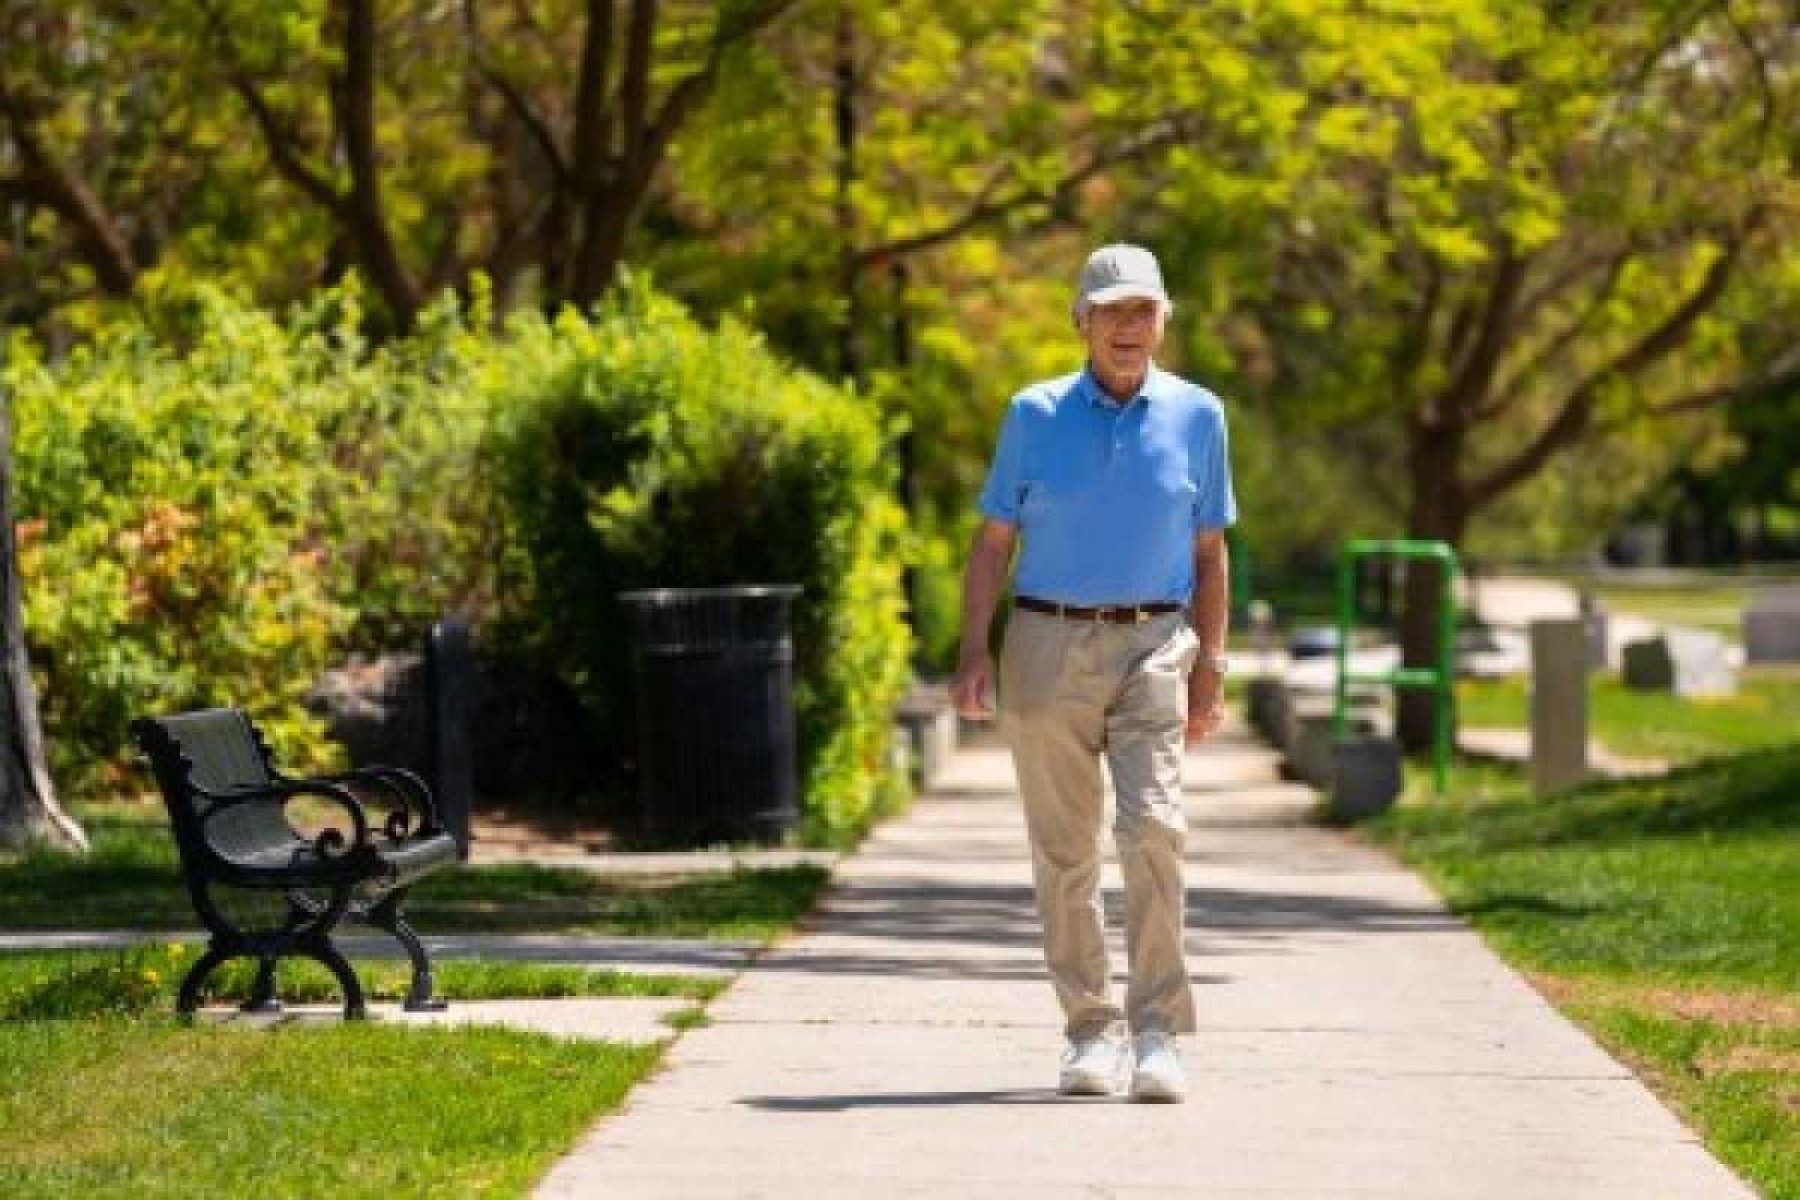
pixel 1158 1074
pixel 1092 1066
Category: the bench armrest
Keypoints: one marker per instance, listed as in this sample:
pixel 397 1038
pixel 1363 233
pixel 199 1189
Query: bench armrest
pixel 415 798
pixel 330 843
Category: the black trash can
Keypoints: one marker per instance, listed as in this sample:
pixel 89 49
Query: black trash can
pixel 715 709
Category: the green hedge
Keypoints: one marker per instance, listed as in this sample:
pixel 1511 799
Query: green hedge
pixel 643 450
pixel 214 504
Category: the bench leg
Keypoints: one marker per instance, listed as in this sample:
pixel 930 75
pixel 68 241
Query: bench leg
pixel 262 992
pixel 189 997
pixel 320 950
pixel 386 916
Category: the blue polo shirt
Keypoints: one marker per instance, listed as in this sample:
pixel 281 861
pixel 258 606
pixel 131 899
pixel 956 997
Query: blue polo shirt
pixel 1108 497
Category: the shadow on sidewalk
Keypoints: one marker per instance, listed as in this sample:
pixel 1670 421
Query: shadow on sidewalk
pixel 810 1104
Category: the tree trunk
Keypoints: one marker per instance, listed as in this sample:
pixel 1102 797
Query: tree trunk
pixel 1439 513
pixel 844 112
pixel 29 813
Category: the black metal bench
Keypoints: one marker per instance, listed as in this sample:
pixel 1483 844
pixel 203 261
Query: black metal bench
pixel 229 807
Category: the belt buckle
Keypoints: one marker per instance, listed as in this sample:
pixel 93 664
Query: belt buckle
pixel 1099 614
pixel 1143 614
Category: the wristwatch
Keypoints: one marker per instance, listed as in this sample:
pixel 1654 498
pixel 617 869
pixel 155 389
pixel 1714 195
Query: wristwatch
pixel 1218 664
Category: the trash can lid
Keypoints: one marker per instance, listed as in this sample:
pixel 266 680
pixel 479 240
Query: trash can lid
pixel 751 591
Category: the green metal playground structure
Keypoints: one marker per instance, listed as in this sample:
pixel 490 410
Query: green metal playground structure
pixel 1440 678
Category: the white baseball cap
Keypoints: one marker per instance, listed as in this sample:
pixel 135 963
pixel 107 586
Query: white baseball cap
pixel 1116 272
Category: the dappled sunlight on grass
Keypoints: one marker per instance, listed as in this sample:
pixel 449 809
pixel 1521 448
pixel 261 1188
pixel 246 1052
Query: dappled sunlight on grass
pixel 131 880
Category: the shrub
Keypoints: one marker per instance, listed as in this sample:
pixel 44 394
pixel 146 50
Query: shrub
pixel 213 503
pixel 642 450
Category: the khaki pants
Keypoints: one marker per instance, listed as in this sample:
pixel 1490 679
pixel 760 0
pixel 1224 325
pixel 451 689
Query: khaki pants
pixel 1070 691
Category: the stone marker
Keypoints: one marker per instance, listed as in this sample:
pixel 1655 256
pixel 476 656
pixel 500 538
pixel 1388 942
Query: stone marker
pixel 1701 665
pixel 1593 618
pixel 928 727
pixel 1687 662
pixel 1365 775
pixel 1772 626
pixel 1647 666
pixel 1558 704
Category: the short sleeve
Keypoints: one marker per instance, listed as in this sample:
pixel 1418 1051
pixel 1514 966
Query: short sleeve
pixel 1005 488
pixel 1215 506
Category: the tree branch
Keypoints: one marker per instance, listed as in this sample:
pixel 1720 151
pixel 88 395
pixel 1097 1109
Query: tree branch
pixel 984 210
pixel 358 116
pixel 1471 379
pixel 1783 372
pixel 634 85
pixel 516 101
pixel 1576 411
pixel 285 147
pixel 49 181
pixel 592 113
pixel 1504 394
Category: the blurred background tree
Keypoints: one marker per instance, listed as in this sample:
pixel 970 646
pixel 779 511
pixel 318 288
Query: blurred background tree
pixel 1495 271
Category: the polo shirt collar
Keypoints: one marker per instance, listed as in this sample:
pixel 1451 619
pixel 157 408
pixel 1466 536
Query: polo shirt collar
pixel 1097 395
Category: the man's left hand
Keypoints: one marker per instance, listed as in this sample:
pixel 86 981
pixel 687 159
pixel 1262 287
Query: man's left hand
pixel 1206 703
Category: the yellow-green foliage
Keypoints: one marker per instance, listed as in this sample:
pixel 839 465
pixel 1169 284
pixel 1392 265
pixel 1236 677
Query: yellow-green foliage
pixel 213 503
pixel 645 450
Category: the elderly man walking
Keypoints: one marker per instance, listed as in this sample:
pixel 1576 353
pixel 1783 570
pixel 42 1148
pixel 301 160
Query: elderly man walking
pixel 1115 483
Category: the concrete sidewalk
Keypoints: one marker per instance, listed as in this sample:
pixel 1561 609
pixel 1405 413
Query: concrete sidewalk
pixel 1356 1040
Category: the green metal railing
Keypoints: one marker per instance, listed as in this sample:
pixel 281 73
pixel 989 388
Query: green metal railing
pixel 1440 678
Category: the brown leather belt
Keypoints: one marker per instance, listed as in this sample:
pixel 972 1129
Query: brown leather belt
pixel 1116 614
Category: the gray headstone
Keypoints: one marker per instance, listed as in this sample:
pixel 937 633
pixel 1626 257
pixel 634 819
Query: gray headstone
pixel 1647 666
pixel 1701 668
pixel 1772 626
pixel 1559 674
pixel 1593 619
pixel 1686 662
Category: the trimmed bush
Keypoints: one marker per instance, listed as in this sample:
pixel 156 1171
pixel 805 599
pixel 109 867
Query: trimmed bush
pixel 216 503
pixel 643 450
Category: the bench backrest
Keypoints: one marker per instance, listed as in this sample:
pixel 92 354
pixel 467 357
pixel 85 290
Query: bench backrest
pixel 219 750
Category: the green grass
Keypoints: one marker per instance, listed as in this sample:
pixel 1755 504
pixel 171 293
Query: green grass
pixel 755 904
pixel 1660 913
pixel 1736 1076
pixel 1765 712
pixel 77 983
pixel 152 1109
pixel 130 880
pixel 1715 606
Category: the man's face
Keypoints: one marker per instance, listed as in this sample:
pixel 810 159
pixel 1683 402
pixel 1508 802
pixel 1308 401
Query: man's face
pixel 1122 336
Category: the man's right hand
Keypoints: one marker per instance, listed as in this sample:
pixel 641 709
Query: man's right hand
pixel 971 686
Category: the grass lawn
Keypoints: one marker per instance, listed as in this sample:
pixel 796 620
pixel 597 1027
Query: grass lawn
pixel 145 1107
pixel 102 1093
pixel 1662 914
pixel 1715 606
pixel 1765 712
pixel 81 983
pixel 130 881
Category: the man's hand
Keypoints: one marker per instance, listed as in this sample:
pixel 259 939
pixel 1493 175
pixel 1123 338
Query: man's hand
pixel 1206 703
pixel 971 686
